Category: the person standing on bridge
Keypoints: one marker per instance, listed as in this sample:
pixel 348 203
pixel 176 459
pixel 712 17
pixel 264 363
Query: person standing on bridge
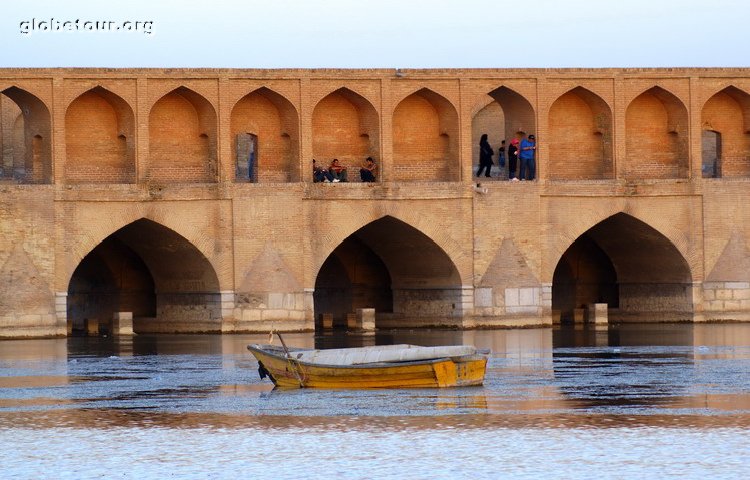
pixel 527 156
pixel 485 156
pixel 501 158
pixel 513 159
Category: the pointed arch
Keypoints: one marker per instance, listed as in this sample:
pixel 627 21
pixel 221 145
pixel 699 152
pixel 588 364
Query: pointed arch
pixel 27 152
pixel 425 139
pixel 274 122
pixel 656 132
pixel 488 119
pixel 629 265
pixel 725 123
pixel 99 139
pixel 580 137
pixel 520 116
pixel 345 125
pixel 182 139
pixel 392 267
pixel 151 271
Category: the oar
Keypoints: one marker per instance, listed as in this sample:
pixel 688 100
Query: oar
pixel 290 359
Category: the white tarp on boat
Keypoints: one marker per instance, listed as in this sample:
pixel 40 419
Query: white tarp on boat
pixel 379 354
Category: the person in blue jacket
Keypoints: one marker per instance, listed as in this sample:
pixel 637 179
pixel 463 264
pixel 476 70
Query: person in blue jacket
pixel 527 156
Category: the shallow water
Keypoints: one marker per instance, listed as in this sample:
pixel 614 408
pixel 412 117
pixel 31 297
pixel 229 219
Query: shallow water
pixel 652 400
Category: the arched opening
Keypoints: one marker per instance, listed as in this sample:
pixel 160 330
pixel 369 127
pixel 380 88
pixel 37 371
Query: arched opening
pixel 519 114
pixel 345 126
pixel 99 139
pixel 247 154
pixel 182 139
pixel 425 139
pixel 264 125
pixel 580 137
pixel 489 120
pixel 628 265
pixel 656 133
pixel 154 273
pixel 725 118
pixel 25 132
pixel 395 269
pixel 710 154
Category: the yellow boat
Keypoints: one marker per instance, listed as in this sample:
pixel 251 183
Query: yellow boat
pixel 391 366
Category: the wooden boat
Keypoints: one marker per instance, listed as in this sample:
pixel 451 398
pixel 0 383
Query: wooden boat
pixel 392 366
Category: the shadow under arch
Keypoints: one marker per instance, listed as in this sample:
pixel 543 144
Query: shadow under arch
pixel 26 154
pixel 149 270
pixel 182 139
pixel 725 142
pixel 265 138
pixel 425 139
pixel 99 139
pixel 345 125
pixel 630 266
pixel 394 268
pixel 580 137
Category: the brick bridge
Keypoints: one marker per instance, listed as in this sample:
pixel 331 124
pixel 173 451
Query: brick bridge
pixel 186 197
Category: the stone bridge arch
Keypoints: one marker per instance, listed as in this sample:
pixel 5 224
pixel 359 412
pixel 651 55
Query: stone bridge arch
pixel 631 266
pixel 149 270
pixel 395 268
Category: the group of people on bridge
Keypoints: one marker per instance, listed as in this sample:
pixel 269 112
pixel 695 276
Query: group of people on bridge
pixel 336 172
pixel 523 150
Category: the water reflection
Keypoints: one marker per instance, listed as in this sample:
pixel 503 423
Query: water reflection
pixel 651 370
pixel 646 400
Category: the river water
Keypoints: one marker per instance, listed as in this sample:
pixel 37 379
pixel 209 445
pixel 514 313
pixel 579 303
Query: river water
pixel 653 401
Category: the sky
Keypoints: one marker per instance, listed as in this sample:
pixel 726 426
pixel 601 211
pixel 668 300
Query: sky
pixel 375 33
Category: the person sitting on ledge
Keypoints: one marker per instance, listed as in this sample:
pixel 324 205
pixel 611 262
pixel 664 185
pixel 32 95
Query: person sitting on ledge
pixel 369 170
pixel 320 174
pixel 338 171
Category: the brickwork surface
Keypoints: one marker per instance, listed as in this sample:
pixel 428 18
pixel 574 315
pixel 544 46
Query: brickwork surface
pixel 132 191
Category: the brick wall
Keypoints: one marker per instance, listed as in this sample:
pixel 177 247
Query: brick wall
pixel 656 130
pixel 637 133
pixel 182 139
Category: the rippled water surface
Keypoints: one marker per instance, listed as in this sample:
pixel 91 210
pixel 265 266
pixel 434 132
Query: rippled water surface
pixel 649 400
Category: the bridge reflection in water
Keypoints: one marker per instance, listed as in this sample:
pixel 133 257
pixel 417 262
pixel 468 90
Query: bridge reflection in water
pixel 193 406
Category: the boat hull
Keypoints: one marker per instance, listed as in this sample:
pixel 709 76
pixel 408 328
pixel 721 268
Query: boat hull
pixel 287 372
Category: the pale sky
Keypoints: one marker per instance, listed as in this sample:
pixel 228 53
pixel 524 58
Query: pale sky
pixel 378 33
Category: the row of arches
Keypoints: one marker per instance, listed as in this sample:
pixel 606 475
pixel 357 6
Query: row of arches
pixel 169 284
pixel 100 135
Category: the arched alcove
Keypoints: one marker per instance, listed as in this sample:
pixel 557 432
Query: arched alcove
pixel 346 126
pixel 656 136
pixel 725 121
pixel 425 139
pixel 182 139
pixel 25 138
pixel 580 137
pixel 272 121
pixel 99 139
